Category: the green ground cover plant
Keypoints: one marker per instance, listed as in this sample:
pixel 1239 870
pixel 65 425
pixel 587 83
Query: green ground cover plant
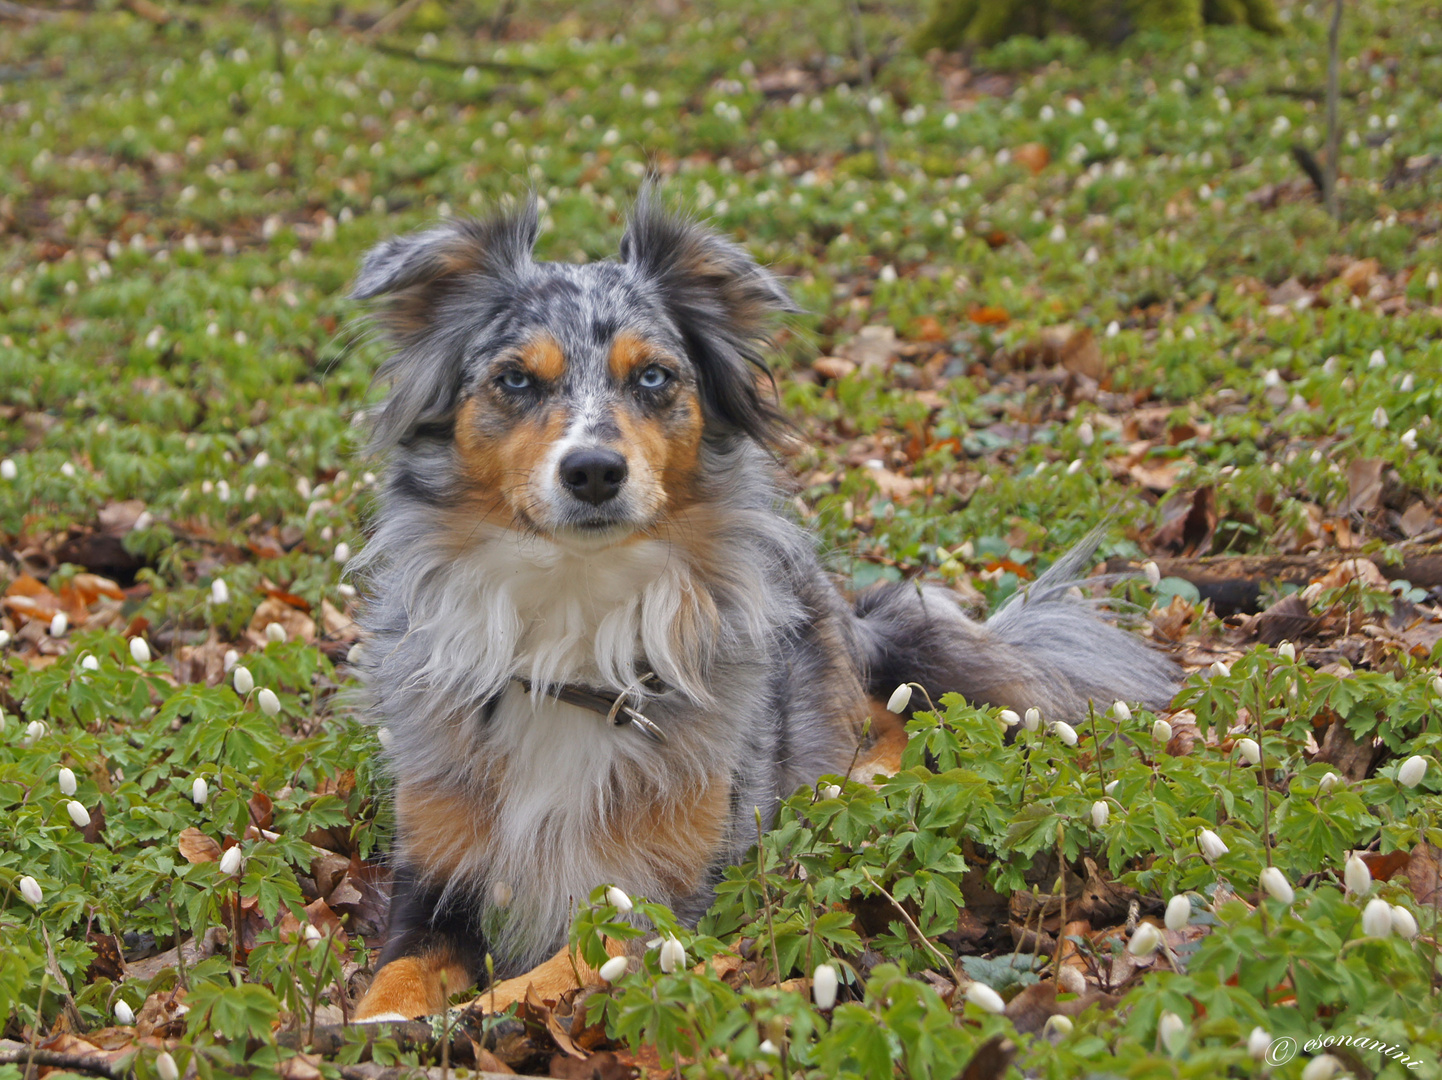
pixel 1043 286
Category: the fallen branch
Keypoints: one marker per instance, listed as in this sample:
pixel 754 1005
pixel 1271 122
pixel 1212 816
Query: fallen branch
pixel 54 1059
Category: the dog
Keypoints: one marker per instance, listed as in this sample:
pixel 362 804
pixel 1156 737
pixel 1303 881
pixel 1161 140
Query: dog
pixel 595 640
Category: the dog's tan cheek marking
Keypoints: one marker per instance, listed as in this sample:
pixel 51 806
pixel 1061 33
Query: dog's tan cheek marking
pixel 413 986
pixel 502 467
pixel 678 839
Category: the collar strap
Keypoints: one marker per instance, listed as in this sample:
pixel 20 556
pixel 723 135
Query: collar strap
pixel 612 706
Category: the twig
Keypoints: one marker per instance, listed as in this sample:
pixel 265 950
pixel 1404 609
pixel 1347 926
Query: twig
pixel 1334 37
pixel 1061 891
pixel 461 63
pixel 956 978
pixel 863 58
pixel 277 33
pixel 54 1059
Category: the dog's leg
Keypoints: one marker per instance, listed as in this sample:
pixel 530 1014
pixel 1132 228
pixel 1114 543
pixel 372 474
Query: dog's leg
pixel 432 950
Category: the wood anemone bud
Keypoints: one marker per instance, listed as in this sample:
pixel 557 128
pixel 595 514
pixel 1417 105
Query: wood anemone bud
pixel 1145 940
pixel 985 998
pixel 1257 1043
pixel 124 1014
pixel 1065 732
pixel 1162 732
pixel 1377 918
pixel 1403 924
pixel 619 900
pixel 1101 814
pixel 1357 876
pixel 1276 884
pixel 1032 719
pixel 824 983
pixel 1179 912
pixel 1412 770
pixel 199 791
pixel 1250 751
pixel 165 1067
pixel 30 889
pixel 139 650
pixel 1122 711
pixel 243 681
pixel 1211 845
pixel 1173 1032
pixel 900 698
pixel 67 781
pixel 268 702
pixel 673 955
pixel 612 969
pixel 78 814
pixel 231 861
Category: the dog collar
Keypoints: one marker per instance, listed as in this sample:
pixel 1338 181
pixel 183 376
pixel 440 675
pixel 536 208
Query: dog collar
pixel 612 706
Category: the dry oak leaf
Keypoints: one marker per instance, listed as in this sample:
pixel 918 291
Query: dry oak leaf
pixel 196 847
pixel 298 626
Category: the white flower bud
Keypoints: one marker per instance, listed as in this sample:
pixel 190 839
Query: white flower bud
pixel 1211 845
pixel 1357 876
pixel 1287 651
pixel 1221 670
pixel 59 624
pixel 1153 573
pixel 1436 683
pixel 342 552
pixel 830 791
pixel 30 889
pixel 275 632
pixel 1065 732
pixel 268 702
pixel 1122 711
pixel 768 1048
pixel 1257 1043
pixel 34 730
pixel 1327 783
pixel 1377 918
pixel 78 814
pixel 1379 418
pixel 1250 751
pixel 1403 924
pixel 1072 981
pixel 67 781
pixel 612 969
pixel 823 986
pixel 1276 884
pixel 1032 719
pixel 1009 718
pixel 384 737
pixel 230 660
pixel 1162 732
pixel 900 698
pixel 231 861
pixel 985 998
pixel 199 791
pixel 1145 940
pixel 124 1014
pixel 619 900
pixel 1412 771
pixel 89 663
pixel 1321 1068
pixel 311 933
pixel 1086 433
pixel 165 1067
pixel 1172 1030
pixel 139 650
pixel 1111 786
pixel 8 470
pixel 1101 814
pixel 1058 1025
pixel 243 681
pixel 1179 912
pixel 219 591
pixel 501 894
pixel 673 955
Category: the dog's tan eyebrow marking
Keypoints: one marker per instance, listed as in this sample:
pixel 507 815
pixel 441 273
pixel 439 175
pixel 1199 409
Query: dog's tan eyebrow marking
pixel 542 357
pixel 629 350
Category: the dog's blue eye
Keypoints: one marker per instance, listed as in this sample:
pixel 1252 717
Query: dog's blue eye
pixel 515 380
pixel 653 378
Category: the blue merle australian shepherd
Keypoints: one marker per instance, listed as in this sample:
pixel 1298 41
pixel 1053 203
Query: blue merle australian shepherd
pixel 596 639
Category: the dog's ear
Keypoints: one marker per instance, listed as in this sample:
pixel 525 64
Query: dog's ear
pixel 418 278
pixel 723 304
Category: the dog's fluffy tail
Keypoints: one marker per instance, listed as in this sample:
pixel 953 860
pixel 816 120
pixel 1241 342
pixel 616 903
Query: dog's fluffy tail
pixel 1042 648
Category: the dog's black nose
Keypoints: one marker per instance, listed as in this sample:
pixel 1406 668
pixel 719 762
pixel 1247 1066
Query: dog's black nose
pixel 593 475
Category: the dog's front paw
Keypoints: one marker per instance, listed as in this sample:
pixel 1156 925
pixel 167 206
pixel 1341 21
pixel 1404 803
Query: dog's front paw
pixel 411 986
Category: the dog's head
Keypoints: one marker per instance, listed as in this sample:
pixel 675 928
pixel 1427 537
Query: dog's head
pixel 578 398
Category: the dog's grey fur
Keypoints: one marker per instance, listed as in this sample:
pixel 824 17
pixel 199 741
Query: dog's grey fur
pixel 767 695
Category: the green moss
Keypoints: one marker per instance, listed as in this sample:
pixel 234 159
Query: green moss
pixel 969 23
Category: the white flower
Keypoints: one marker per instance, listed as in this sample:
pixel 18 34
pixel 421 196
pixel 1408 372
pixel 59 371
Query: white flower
pixel 1122 711
pixel 124 1014
pixel 1145 940
pixel 1327 783
pixel 1220 670
pixel 219 591
pixel 1162 732
pixel 830 791
pixel 768 1048
pixel 1173 1032
pixel 139 650
pixel 1276 884
pixel 1379 421
pixel 673 955
pixel 230 862
pixel 1211 845
pixel 612 969
pixel 89 663
pixel 1403 924
pixel 34 730
pixel 165 1067
pixel 1357 876
pixel 619 900
pixel 67 782
pixel 1179 912
pixel 985 998
pixel 1378 359
pixel 1409 438
pixel 1412 771
pixel 1111 786
pixel 230 660
pixel 1287 651
pixel 1058 1025
pixel 59 624
pixel 30 889
pixel 199 791
pixel 8 471
pixel 1436 683
pixel 1377 918
pixel 1086 433
pixel 1153 573
pixel 1065 732
pixel 78 813
pixel 275 632
pixel 1009 718
pixel 311 933
pixel 501 893
pixel 268 702
pixel 1250 751
pixel 1101 814
pixel 1113 328
pixel 243 681
pixel 900 698
pixel 1032 719
pixel 342 552
pixel 384 737
pixel 1257 1043
pixel 1323 1067
pixel 824 983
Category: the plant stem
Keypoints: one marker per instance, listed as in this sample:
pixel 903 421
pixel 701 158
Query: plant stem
pixel 1329 175
pixel 770 924
pixel 914 928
